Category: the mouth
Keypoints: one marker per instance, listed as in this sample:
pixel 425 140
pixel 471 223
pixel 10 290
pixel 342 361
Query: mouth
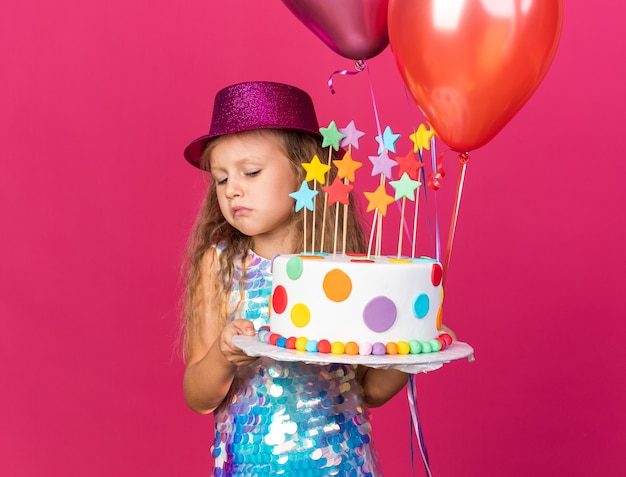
pixel 239 211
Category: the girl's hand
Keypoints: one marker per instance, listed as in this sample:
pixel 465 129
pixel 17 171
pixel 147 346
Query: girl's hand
pixel 232 353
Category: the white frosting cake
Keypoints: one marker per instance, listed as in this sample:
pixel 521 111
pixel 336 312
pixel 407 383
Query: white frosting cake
pixel 357 299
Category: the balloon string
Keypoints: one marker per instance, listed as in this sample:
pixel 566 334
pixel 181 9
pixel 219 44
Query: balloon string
pixel 428 221
pixel 409 235
pixel 380 135
pixel 358 66
pixel 417 424
pixel 463 160
pixel 433 154
pixel 434 184
pixel 424 189
pixel 433 243
pixel 411 447
pixel 382 176
pixel 369 77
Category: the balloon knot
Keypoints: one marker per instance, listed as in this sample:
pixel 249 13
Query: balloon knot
pixel 464 157
pixel 360 65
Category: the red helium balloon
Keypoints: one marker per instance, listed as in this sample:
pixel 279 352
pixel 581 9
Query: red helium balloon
pixel 470 65
pixel 355 29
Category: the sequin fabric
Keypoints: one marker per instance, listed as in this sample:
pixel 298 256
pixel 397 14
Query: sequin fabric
pixel 285 418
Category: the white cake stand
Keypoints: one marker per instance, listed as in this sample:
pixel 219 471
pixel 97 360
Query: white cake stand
pixel 409 363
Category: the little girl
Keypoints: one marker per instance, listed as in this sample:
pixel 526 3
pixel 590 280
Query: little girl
pixel 271 418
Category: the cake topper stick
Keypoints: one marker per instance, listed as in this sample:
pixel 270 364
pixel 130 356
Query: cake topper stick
pixel 344 235
pixel 377 200
pixel 337 192
pixel 351 138
pixel 415 217
pixel 369 244
pixel 331 137
pixel 315 171
pixel 330 154
pixel 346 168
pixel 383 165
pixel 314 219
pixel 336 227
pixel 379 232
pixel 405 189
pixel 304 235
pixel 408 164
pixel 400 234
pixel 379 235
pixel 346 181
pixel 304 200
pixel 424 138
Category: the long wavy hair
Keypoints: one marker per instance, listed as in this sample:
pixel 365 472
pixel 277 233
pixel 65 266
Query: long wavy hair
pixel 211 228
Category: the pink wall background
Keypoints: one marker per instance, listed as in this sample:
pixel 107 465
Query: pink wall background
pixel 97 101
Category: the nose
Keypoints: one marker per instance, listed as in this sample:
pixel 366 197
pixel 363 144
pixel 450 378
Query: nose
pixel 233 188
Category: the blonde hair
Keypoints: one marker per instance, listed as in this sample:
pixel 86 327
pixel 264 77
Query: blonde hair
pixel 211 228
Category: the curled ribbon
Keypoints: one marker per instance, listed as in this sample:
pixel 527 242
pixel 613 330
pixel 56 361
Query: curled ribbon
pixel 433 179
pixel 358 67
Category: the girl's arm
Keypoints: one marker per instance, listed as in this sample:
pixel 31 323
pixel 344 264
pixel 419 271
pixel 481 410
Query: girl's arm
pixel 212 360
pixel 380 385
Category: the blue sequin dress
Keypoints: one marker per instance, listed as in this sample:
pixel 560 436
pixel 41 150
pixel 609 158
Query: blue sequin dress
pixel 284 418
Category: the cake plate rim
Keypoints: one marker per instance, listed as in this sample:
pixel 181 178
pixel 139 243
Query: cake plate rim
pixel 409 363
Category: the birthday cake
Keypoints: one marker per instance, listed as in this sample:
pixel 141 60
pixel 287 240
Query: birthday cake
pixel 357 304
pixel 352 304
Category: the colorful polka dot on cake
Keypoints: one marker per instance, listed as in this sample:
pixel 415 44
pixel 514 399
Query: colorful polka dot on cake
pixel 379 314
pixel 421 305
pixel 300 315
pixel 279 299
pixel 337 285
pixel 436 274
pixel 294 267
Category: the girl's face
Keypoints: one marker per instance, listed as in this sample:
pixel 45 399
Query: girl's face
pixel 253 179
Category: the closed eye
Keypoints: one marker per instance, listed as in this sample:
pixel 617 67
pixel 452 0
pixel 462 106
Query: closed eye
pixel 221 181
pixel 253 173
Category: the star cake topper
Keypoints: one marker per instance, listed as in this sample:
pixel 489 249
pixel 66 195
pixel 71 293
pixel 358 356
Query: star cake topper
pixel 304 197
pixel 331 136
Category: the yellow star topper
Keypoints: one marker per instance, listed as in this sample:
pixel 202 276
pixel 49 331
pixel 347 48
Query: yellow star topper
pixel 315 170
pixel 346 167
pixel 379 199
pixel 421 138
